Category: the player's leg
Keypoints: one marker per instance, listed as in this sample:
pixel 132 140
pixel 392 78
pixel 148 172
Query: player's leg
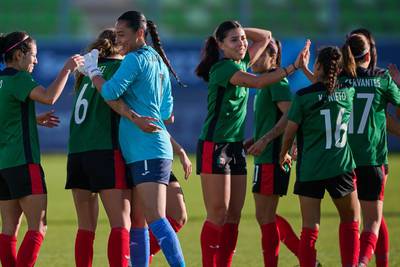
pixel 11 214
pixel 370 185
pixel 176 212
pixel 87 210
pixel 139 233
pixel 343 192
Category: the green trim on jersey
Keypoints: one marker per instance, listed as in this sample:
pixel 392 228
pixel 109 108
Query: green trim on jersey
pixel 93 124
pixel 266 115
pixel 367 129
pixel 227 103
pixel 323 150
pixel 19 142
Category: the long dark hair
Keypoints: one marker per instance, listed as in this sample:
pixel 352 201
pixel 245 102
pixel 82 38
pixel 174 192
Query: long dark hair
pixel 330 58
pixel 136 20
pixel 354 51
pixel 372 46
pixel 12 42
pixel 210 52
pixel 106 44
pixel 274 48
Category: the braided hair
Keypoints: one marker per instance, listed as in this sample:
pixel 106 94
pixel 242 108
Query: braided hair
pixel 330 58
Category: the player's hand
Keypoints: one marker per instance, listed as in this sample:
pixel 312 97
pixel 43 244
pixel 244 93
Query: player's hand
pixel 186 164
pixel 395 73
pixel 305 55
pixel 90 64
pixel 248 143
pixel 48 119
pixel 258 147
pixel 285 160
pixel 74 62
pixel 145 123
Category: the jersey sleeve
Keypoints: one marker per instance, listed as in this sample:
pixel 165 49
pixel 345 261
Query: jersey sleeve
pixel 392 91
pixel 223 73
pixel 24 86
pixel 122 79
pixel 295 113
pixel 281 91
pixel 167 100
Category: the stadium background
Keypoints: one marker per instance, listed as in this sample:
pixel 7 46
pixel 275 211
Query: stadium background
pixel 65 27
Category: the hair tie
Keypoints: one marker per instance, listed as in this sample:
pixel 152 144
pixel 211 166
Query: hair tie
pixel 363 53
pixel 13 46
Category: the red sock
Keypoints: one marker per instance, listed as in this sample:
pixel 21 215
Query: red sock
pixel 29 249
pixel 287 235
pixel 270 244
pixel 8 250
pixel 154 246
pixel 229 238
pixel 118 247
pixel 367 246
pixel 84 248
pixel 349 243
pixel 382 246
pixel 307 252
pixel 210 242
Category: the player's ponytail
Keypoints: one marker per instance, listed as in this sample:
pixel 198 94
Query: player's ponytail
pixel 354 52
pixel 210 53
pixel 155 39
pixel 210 56
pixel 330 58
pixel 106 44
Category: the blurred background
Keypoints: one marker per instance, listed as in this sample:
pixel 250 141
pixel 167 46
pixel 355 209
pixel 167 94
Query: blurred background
pixel 65 27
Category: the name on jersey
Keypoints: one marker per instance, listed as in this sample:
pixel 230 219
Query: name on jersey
pixel 364 82
pixel 336 96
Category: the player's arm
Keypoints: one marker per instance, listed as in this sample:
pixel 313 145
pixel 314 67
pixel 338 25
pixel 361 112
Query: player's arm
pixel 288 138
pixel 258 147
pixel 184 159
pixel 50 95
pixel 392 125
pixel 260 39
pixel 144 123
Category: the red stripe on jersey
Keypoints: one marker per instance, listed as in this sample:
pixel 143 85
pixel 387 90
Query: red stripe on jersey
pixel 267 179
pixel 119 171
pixel 207 157
pixel 36 179
pixel 382 194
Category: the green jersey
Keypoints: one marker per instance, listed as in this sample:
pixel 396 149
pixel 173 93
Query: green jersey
pixel 93 124
pixel 367 128
pixel 227 103
pixel 323 150
pixel 19 142
pixel 266 115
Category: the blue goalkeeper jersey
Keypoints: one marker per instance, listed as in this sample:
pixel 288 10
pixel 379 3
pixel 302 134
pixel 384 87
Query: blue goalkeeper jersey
pixel 143 82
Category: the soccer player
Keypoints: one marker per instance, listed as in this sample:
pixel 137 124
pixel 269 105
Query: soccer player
pixel 270 181
pixel 95 164
pixel 367 137
pixel 319 115
pixel 22 183
pixel 221 160
pixel 382 245
pixel 143 82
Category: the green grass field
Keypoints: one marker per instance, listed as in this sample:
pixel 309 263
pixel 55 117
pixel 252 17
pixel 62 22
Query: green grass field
pixel 58 247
